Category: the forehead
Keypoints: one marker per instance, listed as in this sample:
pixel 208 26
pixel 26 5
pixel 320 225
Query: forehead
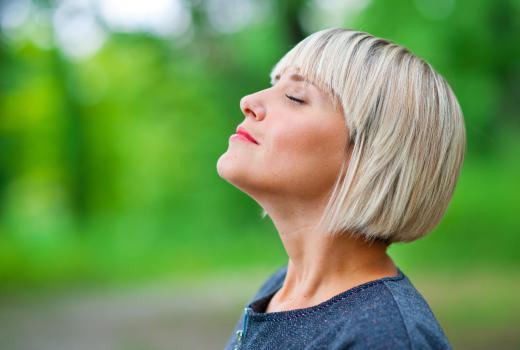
pixel 295 77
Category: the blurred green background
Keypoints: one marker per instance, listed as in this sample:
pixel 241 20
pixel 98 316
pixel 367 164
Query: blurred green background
pixel 113 114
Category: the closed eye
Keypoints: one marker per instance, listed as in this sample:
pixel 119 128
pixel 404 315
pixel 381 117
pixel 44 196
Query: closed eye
pixel 295 99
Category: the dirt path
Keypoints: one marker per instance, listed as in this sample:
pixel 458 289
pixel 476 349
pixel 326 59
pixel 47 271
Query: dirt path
pixel 201 315
pixel 196 316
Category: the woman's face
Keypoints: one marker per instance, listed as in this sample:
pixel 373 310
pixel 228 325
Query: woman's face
pixel 301 145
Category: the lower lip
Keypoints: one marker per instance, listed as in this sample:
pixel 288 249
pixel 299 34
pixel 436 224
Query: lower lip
pixel 240 137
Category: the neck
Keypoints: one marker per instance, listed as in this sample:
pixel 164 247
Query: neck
pixel 320 265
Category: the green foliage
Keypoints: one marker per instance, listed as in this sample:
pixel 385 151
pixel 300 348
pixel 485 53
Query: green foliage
pixel 108 163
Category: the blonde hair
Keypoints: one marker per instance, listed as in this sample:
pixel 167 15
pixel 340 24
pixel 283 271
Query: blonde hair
pixel 406 134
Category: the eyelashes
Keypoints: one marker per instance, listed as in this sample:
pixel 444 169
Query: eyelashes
pixel 296 100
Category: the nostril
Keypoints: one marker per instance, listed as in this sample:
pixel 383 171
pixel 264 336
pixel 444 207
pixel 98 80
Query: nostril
pixel 251 112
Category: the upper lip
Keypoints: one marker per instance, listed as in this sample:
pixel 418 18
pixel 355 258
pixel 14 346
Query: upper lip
pixel 242 131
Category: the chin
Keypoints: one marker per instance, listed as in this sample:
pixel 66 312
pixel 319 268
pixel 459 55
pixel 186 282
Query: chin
pixel 223 163
pixel 227 167
pixel 234 172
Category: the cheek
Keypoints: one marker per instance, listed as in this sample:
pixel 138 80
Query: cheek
pixel 311 151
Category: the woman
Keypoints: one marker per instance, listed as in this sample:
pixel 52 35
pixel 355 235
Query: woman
pixel 356 145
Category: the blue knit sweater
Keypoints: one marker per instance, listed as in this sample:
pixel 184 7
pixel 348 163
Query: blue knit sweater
pixel 387 313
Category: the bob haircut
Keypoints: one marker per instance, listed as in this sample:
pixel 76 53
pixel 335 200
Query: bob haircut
pixel 406 133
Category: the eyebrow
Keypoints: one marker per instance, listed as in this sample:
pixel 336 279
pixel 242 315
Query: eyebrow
pixel 294 77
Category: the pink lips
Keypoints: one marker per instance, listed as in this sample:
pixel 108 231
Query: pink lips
pixel 244 135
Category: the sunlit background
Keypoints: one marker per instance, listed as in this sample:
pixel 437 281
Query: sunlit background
pixel 116 231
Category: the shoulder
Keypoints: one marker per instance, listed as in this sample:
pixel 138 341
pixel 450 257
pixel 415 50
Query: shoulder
pixel 422 327
pixel 387 314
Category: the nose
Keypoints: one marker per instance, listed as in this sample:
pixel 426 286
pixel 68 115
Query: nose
pixel 251 107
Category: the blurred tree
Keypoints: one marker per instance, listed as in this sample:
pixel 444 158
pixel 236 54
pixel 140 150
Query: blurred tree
pixel 290 18
pixel 123 141
pixel 76 147
pixel 473 44
pixel 505 25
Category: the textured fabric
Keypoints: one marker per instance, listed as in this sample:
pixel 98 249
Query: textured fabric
pixel 387 313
